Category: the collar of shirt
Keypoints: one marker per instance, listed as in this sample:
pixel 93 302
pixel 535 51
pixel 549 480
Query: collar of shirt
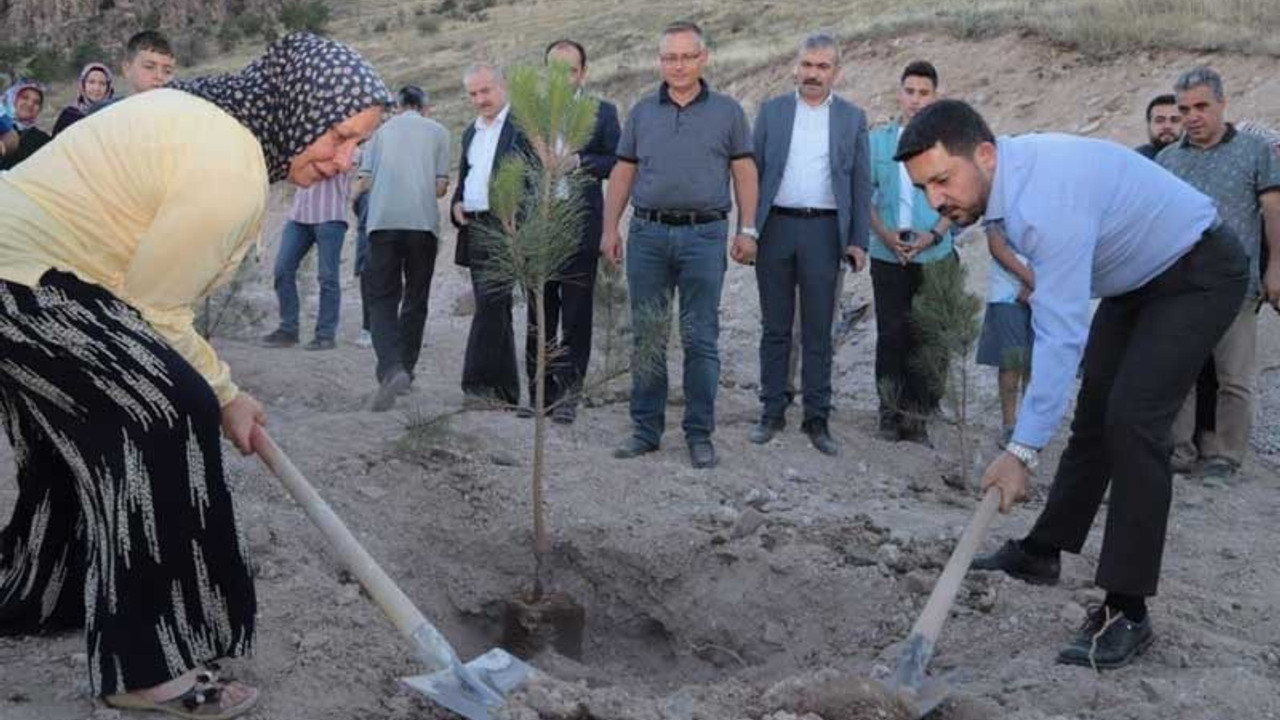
pixel 664 93
pixel 1226 138
pixel 826 102
pixel 995 197
pixel 482 125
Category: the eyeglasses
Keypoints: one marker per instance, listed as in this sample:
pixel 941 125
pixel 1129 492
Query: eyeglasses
pixel 686 59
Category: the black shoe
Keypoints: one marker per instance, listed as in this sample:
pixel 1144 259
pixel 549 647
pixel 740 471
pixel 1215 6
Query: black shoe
pixel 702 454
pixel 1108 640
pixel 392 387
pixel 1012 560
pixel 564 414
pixel 633 447
pixel 524 412
pixel 280 339
pixel 321 344
pixel 820 435
pixel 764 431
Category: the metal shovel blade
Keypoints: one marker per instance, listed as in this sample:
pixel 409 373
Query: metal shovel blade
pixel 922 694
pixel 496 673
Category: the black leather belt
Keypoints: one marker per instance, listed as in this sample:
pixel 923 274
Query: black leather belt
pixel 803 212
pixel 479 214
pixel 681 217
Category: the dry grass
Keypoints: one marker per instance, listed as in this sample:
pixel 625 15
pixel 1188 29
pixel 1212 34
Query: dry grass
pixel 749 34
pixel 746 35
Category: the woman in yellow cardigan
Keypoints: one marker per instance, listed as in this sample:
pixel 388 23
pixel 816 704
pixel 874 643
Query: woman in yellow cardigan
pixel 112 401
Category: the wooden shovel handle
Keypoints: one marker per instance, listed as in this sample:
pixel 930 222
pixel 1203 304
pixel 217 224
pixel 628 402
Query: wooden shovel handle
pixel 397 606
pixel 935 612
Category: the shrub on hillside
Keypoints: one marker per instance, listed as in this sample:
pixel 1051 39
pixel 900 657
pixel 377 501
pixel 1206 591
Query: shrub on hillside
pixel 309 15
pixel 48 65
pixel 428 26
pixel 86 51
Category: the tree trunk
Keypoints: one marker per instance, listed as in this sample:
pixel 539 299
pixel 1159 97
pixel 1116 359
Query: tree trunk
pixel 541 542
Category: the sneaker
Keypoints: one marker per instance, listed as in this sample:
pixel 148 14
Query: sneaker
pixel 280 339
pixel 765 430
pixel 1217 468
pixel 321 344
pixel 392 387
pixel 1015 562
pixel 364 339
pixel 634 447
pixel 1108 640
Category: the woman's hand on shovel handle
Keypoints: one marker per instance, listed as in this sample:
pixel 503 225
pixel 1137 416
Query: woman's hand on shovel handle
pixel 239 417
pixel 1008 474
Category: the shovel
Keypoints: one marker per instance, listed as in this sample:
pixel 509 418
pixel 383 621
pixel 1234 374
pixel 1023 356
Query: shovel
pixel 922 694
pixel 472 689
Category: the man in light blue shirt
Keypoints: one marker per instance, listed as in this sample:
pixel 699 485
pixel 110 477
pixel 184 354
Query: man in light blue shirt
pixel 1093 219
pixel 906 235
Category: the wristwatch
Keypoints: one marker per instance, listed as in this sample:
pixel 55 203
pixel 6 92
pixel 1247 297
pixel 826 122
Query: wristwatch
pixel 937 236
pixel 1028 456
pixel 749 232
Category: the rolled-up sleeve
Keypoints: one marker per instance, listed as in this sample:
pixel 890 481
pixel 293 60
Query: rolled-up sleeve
pixel 1063 263
pixel 206 223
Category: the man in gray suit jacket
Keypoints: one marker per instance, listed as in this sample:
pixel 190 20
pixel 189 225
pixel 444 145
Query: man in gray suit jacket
pixel 814 213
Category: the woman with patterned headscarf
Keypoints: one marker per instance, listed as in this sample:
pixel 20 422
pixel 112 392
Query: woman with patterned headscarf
pixel 111 399
pixel 23 102
pixel 96 85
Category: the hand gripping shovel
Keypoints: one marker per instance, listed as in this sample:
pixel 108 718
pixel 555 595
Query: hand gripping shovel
pixel 909 683
pixel 472 689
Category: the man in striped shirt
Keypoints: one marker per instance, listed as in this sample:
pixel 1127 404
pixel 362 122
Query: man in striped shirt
pixel 317 218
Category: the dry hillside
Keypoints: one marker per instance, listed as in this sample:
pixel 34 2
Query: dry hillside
pixel 723 595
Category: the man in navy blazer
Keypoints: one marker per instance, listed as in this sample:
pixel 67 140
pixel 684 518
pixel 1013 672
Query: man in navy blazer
pixel 489 370
pixel 569 301
pixel 814 213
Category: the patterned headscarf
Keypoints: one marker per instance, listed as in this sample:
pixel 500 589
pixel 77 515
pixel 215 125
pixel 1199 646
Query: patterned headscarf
pixel 302 86
pixel 11 100
pixel 82 101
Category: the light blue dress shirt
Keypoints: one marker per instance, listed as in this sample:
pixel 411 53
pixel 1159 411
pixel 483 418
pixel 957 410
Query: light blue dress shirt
pixel 1093 219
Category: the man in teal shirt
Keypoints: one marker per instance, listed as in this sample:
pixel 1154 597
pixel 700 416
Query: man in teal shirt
pixel 906 234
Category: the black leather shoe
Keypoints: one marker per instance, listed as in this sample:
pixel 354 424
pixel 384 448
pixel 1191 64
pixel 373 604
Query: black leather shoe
pixel 1108 640
pixel 633 447
pixel 820 435
pixel 524 412
pixel 702 455
pixel 765 430
pixel 1012 560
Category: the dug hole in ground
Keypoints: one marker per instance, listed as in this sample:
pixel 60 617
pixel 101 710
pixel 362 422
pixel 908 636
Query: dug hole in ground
pixel 748 591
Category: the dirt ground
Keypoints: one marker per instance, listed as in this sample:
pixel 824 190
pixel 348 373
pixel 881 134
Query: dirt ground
pixel 717 594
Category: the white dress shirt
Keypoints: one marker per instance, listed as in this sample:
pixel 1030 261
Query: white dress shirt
pixel 480 156
pixel 906 194
pixel 806 180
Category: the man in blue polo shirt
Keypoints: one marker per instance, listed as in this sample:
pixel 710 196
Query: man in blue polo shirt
pixel 1093 219
pixel 679 148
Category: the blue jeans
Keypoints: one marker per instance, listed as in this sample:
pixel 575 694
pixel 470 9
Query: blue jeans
pixel 689 259
pixel 295 241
